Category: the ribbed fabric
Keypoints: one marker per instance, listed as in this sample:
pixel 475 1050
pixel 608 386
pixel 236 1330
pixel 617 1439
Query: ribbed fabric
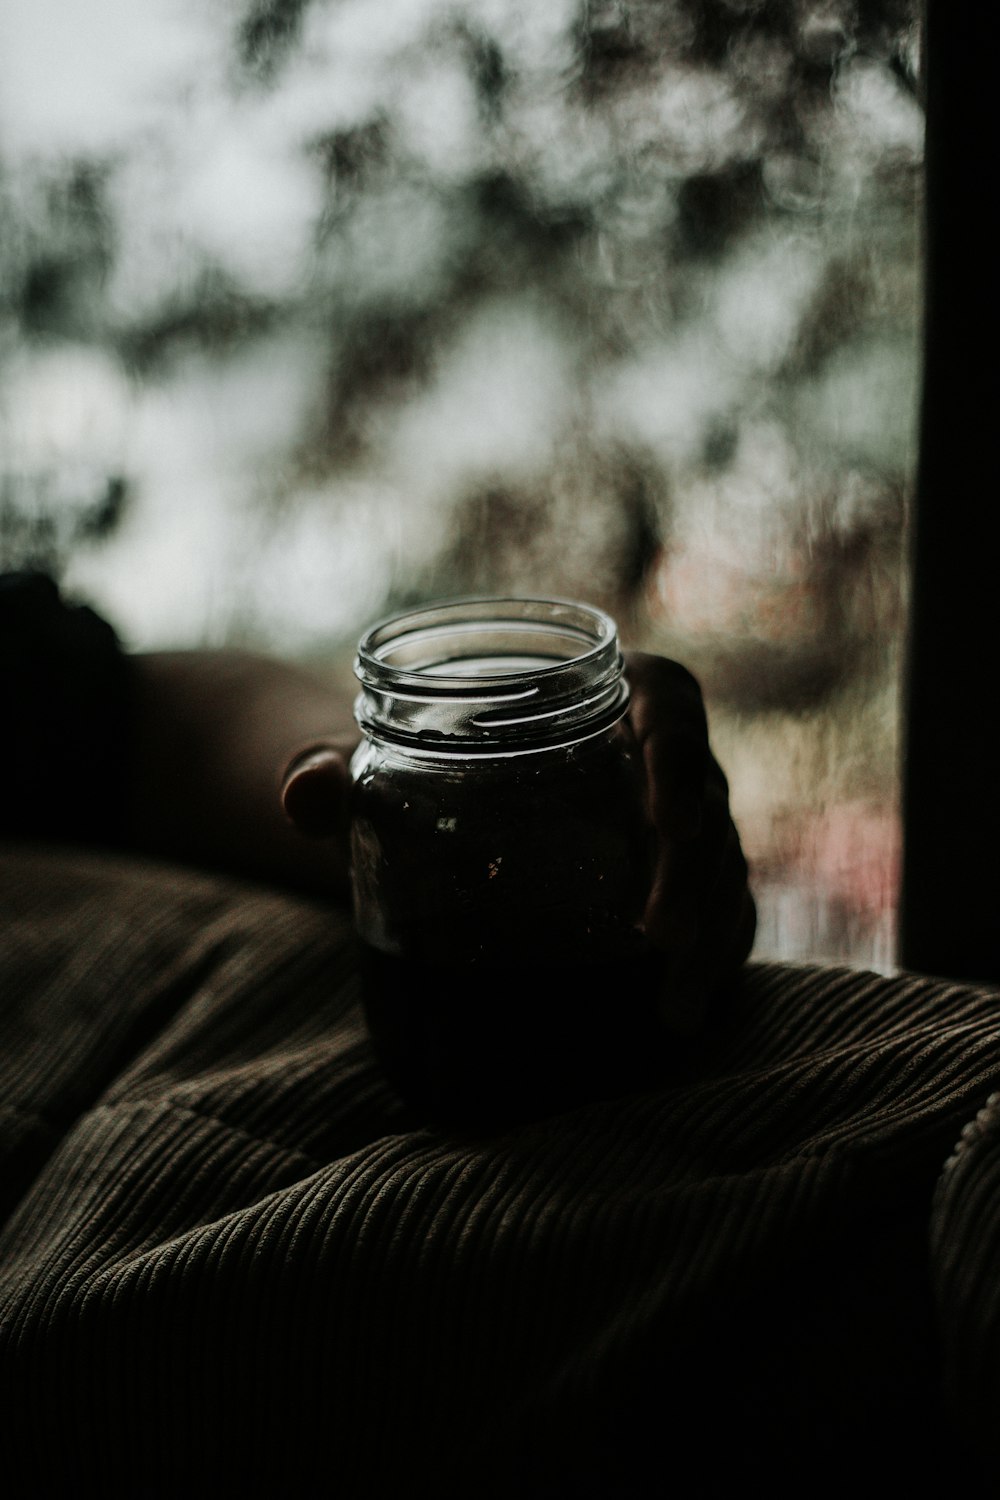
pixel 965 1239
pixel 232 1262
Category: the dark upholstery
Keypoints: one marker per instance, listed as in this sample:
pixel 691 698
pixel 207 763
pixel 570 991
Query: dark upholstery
pixel 232 1263
pixel 65 687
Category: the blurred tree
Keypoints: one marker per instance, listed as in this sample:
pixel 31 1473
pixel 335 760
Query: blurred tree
pixel 358 302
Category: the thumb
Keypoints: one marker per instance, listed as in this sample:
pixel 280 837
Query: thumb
pixel 314 790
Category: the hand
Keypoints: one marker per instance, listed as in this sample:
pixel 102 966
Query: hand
pixel 700 912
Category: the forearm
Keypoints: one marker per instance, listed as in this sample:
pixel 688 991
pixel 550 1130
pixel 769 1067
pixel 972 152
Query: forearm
pixel 212 732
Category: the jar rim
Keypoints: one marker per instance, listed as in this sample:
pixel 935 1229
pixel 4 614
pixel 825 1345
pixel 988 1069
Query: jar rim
pixel 538 669
pixel 474 612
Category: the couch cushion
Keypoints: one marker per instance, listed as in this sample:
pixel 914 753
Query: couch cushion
pixel 231 1256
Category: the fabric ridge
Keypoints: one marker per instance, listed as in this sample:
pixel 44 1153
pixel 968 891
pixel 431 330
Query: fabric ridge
pixel 231 1257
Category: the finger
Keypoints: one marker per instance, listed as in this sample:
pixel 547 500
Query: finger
pixel 664 694
pixel 729 920
pixel 314 790
pixel 689 986
pixel 668 719
pixel 686 874
pixel 727 943
pixel 723 936
pixel 680 776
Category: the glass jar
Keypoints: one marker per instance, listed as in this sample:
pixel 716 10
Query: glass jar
pixel 501 858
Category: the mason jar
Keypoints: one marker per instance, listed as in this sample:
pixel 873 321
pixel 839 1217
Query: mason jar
pixel 501 859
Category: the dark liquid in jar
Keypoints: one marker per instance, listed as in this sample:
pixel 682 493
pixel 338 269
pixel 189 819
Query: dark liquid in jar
pixel 496 1041
pixel 512 978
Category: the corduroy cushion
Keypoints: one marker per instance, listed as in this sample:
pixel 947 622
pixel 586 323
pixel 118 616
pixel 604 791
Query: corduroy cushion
pixel 965 1260
pixel 231 1260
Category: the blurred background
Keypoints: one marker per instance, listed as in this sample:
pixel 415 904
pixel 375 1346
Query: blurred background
pixel 312 309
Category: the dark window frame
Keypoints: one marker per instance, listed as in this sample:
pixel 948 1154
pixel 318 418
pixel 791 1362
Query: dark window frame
pixel 949 919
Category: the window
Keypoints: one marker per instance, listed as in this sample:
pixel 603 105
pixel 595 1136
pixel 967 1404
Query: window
pixel 313 309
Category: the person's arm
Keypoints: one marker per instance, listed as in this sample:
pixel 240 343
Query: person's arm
pixel 241 763
pixel 225 760
pixel 212 732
